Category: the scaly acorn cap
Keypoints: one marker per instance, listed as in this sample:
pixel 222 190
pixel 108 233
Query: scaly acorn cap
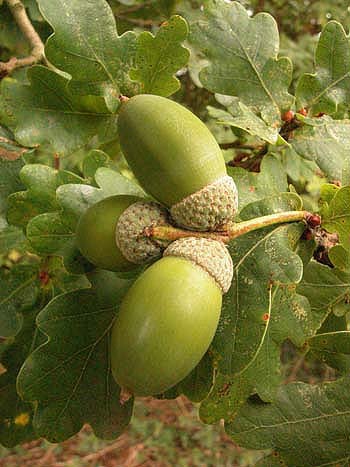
pixel 209 254
pixel 210 208
pixel 134 245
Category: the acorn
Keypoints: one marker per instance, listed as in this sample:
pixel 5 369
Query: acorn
pixel 177 160
pixel 169 316
pixel 110 233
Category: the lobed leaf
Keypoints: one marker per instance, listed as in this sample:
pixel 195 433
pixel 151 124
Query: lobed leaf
pixel 289 317
pixel 324 287
pixel 242 54
pixel 45 113
pixel 271 180
pixel 332 348
pixel 336 215
pixel 240 116
pixel 259 260
pixel 41 182
pixel 340 257
pixel 316 415
pixel 329 88
pixel 159 57
pixel 16 416
pixel 18 291
pixel 325 141
pixel 86 45
pixel 72 384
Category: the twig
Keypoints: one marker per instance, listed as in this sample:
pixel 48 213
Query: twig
pixel 37 47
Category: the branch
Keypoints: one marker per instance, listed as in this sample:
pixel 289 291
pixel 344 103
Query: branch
pixel 37 47
pixel 233 230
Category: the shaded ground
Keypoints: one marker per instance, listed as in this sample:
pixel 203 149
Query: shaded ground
pixel 162 434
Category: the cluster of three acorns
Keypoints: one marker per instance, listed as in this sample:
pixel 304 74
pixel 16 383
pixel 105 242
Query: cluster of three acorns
pixel 169 316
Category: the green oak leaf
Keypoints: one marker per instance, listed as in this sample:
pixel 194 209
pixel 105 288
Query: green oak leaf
pixel 296 167
pixel 86 45
pixel 332 348
pixel 73 384
pixel 327 193
pixel 197 384
pixel 41 182
pixel 340 257
pixel 93 161
pixel 325 141
pixel 10 237
pixel 317 416
pixel 289 317
pixel 272 460
pixel 240 116
pixel 33 9
pixel 159 57
pixel 259 260
pixel 53 233
pixel 336 215
pixel 10 181
pixel 60 280
pixel 45 113
pixel 19 289
pixel 242 54
pixel 324 287
pixel 16 416
pixel 329 87
pixel 271 180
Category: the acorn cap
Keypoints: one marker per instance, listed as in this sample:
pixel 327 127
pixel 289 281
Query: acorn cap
pixel 210 208
pixel 209 254
pixel 130 238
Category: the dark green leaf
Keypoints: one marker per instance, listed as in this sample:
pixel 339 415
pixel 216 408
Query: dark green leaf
pixel 9 180
pixel 324 287
pixel 317 416
pixel 332 348
pixel 46 112
pixel 72 384
pixel 19 289
pixel 259 259
pixel 289 317
pixel 16 416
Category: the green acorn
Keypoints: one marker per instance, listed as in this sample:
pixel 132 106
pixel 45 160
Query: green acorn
pixel 178 161
pixel 169 316
pixel 110 233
